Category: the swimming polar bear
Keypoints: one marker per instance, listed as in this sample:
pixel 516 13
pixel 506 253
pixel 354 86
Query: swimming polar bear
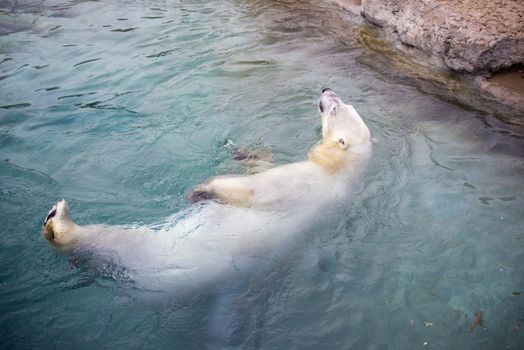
pixel 238 221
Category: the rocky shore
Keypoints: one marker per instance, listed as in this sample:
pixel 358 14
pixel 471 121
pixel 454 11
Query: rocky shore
pixel 469 35
pixel 481 39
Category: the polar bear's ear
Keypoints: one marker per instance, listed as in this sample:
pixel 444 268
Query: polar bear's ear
pixel 342 143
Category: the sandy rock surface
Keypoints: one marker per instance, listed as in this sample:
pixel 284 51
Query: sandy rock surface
pixel 469 35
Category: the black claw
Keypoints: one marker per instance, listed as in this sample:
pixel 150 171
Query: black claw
pixel 244 154
pixel 199 195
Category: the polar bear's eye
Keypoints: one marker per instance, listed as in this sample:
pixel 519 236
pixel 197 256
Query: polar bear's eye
pixel 321 106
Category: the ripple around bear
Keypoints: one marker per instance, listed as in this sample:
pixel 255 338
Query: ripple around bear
pixel 240 218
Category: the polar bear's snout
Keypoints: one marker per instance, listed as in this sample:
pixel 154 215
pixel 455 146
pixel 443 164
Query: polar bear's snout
pixel 340 121
pixel 328 100
pixel 51 215
pixel 58 226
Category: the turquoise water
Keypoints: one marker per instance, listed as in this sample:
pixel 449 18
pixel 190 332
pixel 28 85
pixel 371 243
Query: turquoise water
pixel 123 106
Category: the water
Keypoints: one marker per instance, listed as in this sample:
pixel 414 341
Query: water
pixel 123 107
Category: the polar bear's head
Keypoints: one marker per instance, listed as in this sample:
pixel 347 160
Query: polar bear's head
pixel 340 122
pixel 58 226
pixel 344 134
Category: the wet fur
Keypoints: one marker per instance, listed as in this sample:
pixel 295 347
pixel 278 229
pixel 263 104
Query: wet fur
pixel 244 220
pixel 329 156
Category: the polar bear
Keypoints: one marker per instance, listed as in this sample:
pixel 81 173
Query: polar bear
pixel 237 220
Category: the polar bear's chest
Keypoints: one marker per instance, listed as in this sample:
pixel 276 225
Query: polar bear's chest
pixel 292 185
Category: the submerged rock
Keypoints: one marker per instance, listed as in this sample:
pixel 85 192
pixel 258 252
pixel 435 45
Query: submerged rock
pixel 469 35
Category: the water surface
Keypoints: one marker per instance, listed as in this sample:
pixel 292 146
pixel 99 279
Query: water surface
pixel 123 106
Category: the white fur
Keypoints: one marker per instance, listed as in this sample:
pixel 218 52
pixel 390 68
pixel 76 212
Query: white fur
pixel 254 217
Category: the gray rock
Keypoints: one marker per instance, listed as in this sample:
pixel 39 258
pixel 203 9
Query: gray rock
pixel 469 35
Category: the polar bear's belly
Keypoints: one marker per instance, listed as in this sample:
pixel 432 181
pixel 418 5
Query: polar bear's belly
pixel 204 244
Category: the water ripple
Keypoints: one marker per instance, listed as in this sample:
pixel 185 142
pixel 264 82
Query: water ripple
pixel 124 30
pixel 86 61
pixel 17 105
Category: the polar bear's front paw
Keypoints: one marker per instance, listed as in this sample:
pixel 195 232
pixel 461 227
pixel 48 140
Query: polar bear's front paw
pixel 255 160
pixel 200 193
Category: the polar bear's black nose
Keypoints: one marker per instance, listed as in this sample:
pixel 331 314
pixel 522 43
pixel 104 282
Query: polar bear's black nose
pixel 51 214
pixel 326 89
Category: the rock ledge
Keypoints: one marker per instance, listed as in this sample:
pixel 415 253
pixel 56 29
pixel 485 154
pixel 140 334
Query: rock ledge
pixel 469 35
